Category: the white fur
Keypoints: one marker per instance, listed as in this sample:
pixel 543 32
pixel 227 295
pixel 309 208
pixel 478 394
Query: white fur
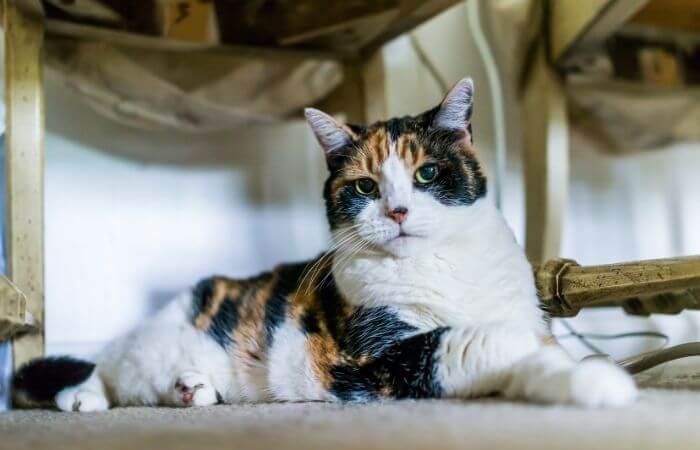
pixel 88 397
pixel 395 186
pixel 291 375
pixel 550 376
pixel 448 271
pixel 143 367
pixel 478 360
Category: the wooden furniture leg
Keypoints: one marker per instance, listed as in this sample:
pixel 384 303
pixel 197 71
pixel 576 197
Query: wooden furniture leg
pixel 546 161
pixel 361 97
pixel 373 88
pixel 24 100
pixel 642 287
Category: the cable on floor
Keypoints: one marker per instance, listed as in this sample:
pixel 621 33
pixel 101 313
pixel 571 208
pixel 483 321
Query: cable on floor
pixel 638 363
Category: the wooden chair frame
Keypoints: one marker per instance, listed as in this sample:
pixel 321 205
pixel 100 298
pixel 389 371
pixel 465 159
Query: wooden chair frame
pixel 24 153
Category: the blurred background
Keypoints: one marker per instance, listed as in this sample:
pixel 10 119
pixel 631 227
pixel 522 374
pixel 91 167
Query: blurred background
pixel 135 215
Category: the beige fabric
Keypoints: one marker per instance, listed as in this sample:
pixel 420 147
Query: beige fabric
pixel 607 113
pixel 624 117
pixel 661 419
pixel 188 91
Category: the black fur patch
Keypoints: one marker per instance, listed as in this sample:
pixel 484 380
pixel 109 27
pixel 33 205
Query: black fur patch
pixel 290 275
pixel 224 322
pixel 275 311
pixel 202 294
pixel 309 322
pixel 332 306
pixel 347 205
pixel 405 370
pixel 276 307
pixel 41 379
pixel 395 127
pixel 370 331
pixel 454 186
pixel 226 318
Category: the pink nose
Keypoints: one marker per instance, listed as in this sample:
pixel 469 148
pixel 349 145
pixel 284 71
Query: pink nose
pixel 398 214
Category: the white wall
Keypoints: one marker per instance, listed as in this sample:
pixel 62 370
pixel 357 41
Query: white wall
pixel 638 206
pixel 133 217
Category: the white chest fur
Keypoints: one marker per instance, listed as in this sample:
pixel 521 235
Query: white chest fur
pixel 478 274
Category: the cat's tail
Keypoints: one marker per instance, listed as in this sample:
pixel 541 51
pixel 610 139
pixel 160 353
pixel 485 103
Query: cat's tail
pixel 58 382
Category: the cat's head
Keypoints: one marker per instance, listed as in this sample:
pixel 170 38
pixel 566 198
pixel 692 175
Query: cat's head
pixel 402 183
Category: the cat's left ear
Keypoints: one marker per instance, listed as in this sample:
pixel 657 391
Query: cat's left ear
pixel 333 136
pixel 455 111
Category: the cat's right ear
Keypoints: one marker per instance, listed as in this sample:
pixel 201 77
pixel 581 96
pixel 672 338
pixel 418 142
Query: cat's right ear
pixel 331 134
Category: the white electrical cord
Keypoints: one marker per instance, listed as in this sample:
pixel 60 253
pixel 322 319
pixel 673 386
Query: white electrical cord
pixel 651 359
pixel 494 80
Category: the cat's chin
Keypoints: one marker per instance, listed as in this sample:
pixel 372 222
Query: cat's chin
pixel 404 245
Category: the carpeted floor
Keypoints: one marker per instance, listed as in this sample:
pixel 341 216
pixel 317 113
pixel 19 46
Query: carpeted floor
pixel 666 416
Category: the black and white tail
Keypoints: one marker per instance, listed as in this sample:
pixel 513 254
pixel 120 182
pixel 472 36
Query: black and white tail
pixel 38 383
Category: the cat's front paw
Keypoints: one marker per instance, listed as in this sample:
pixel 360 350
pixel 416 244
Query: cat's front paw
pixel 596 384
pixel 551 376
pixel 194 389
pixel 590 383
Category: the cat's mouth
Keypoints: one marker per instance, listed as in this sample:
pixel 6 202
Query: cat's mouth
pixel 402 237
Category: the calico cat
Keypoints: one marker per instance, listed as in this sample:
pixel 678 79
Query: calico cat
pixel 423 293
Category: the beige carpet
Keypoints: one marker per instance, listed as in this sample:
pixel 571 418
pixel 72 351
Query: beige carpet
pixel 667 418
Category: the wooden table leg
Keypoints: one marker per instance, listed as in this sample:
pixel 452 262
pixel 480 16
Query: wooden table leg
pixel 546 161
pixel 24 100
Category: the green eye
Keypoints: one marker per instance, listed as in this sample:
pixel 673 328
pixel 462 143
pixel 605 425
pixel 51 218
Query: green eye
pixel 365 186
pixel 426 174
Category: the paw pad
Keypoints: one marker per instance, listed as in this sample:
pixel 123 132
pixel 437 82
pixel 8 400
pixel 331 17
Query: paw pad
pixel 193 389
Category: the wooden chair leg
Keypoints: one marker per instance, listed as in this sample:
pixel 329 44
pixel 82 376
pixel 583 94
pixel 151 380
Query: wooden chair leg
pixel 373 88
pixel 361 97
pixel 642 287
pixel 24 100
pixel 546 161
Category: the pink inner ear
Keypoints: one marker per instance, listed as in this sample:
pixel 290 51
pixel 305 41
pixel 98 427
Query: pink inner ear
pixel 455 110
pixel 465 137
pixel 331 134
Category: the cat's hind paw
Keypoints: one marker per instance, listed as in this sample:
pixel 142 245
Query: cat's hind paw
pixel 194 389
pixel 81 400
